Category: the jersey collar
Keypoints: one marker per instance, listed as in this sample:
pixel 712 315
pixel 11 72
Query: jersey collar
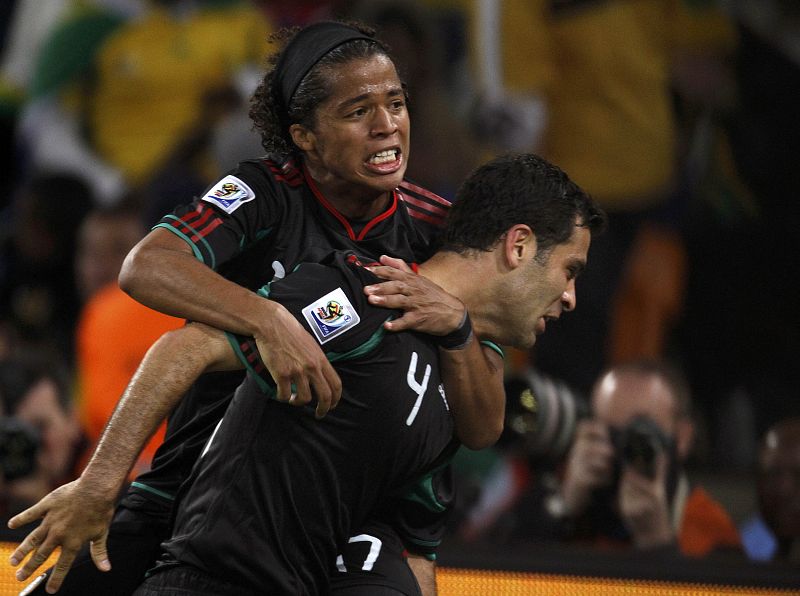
pixel 390 210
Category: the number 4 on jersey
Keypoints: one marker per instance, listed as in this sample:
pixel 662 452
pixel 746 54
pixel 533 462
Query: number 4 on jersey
pixel 418 388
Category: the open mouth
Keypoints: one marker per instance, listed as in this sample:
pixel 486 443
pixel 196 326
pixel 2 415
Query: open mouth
pixel 385 156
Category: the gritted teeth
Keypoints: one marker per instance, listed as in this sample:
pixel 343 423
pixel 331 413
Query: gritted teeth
pixel 384 156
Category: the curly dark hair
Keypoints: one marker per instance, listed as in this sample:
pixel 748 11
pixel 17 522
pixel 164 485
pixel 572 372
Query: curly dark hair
pixel 272 119
pixel 518 188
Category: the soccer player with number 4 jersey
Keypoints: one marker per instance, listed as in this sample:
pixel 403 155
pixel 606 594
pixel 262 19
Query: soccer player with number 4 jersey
pixel 333 118
pixel 277 491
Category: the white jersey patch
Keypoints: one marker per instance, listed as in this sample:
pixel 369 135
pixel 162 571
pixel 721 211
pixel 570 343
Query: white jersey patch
pixel 229 194
pixel 331 315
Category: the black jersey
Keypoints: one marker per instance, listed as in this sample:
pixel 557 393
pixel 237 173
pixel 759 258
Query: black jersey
pixel 277 492
pixel 256 224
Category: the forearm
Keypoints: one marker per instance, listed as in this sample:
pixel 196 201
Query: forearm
pixel 473 380
pixel 167 371
pixel 162 273
pixel 425 572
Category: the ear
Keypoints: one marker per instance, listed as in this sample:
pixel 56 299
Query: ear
pixel 684 437
pixel 519 245
pixel 303 137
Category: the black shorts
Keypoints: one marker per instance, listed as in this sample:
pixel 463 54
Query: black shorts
pixel 371 564
pixel 184 580
pixel 374 563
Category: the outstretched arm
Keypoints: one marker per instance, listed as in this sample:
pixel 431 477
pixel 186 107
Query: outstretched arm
pixel 425 572
pixel 472 374
pixel 162 273
pixel 81 510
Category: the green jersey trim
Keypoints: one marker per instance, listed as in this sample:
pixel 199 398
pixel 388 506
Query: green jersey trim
pixel 361 350
pixel 155 491
pixel 188 240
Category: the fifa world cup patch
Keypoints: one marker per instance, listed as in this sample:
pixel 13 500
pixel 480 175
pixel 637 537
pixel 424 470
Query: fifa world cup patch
pixel 331 315
pixel 229 194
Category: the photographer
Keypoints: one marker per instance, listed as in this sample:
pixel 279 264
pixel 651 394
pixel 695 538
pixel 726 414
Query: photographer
pixel 39 433
pixel 624 483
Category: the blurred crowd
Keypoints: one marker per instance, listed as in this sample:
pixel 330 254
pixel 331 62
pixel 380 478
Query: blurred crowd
pixel 675 115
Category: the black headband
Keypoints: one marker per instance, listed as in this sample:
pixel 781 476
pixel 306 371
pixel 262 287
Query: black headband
pixel 307 48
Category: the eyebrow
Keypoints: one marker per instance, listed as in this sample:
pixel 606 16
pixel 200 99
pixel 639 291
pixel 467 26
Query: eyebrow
pixel 579 266
pixel 393 92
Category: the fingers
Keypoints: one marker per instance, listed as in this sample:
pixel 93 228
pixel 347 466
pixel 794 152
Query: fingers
pixel 327 390
pixel 283 387
pixel 30 542
pixel 378 294
pixel 31 514
pixel 99 551
pixel 396 263
pixel 333 384
pixel 60 571
pixel 322 409
pixel 41 551
pixel 323 384
pixel 392 273
pixel 406 321
pixel 301 391
pixel 299 367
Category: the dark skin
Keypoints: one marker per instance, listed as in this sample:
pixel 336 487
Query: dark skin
pixel 779 482
pixel 365 115
pixel 79 511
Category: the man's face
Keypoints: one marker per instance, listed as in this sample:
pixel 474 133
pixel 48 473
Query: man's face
pixel 779 484
pixel 549 289
pixel 359 142
pixel 103 244
pixel 620 397
pixel 58 430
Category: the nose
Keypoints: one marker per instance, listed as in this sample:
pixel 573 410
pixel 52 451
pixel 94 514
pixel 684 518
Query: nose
pixel 383 123
pixel 569 298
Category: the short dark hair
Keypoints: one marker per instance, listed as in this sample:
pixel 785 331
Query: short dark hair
pixel 518 188
pixel 272 119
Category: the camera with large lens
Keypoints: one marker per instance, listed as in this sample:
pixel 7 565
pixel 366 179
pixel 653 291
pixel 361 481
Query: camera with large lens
pixel 639 443
pixel 19 446
pixel 541 415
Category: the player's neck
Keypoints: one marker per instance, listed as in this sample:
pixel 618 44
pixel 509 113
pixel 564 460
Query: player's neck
pixel 356 203
pixel 467 277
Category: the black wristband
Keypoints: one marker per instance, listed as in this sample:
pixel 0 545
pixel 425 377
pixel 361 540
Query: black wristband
pixel 458 339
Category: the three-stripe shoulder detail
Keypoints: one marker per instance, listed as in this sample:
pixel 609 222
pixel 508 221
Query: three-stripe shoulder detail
pixel 423 204
pixel 199 222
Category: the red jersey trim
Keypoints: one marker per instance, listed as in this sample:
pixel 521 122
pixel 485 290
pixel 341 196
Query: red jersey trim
pixel 433 220
pixel 208 229
pixel 200 222
pixel 342 219
pixel 423 209
pixel 288 173
pixel 432 209
pixel 425 193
